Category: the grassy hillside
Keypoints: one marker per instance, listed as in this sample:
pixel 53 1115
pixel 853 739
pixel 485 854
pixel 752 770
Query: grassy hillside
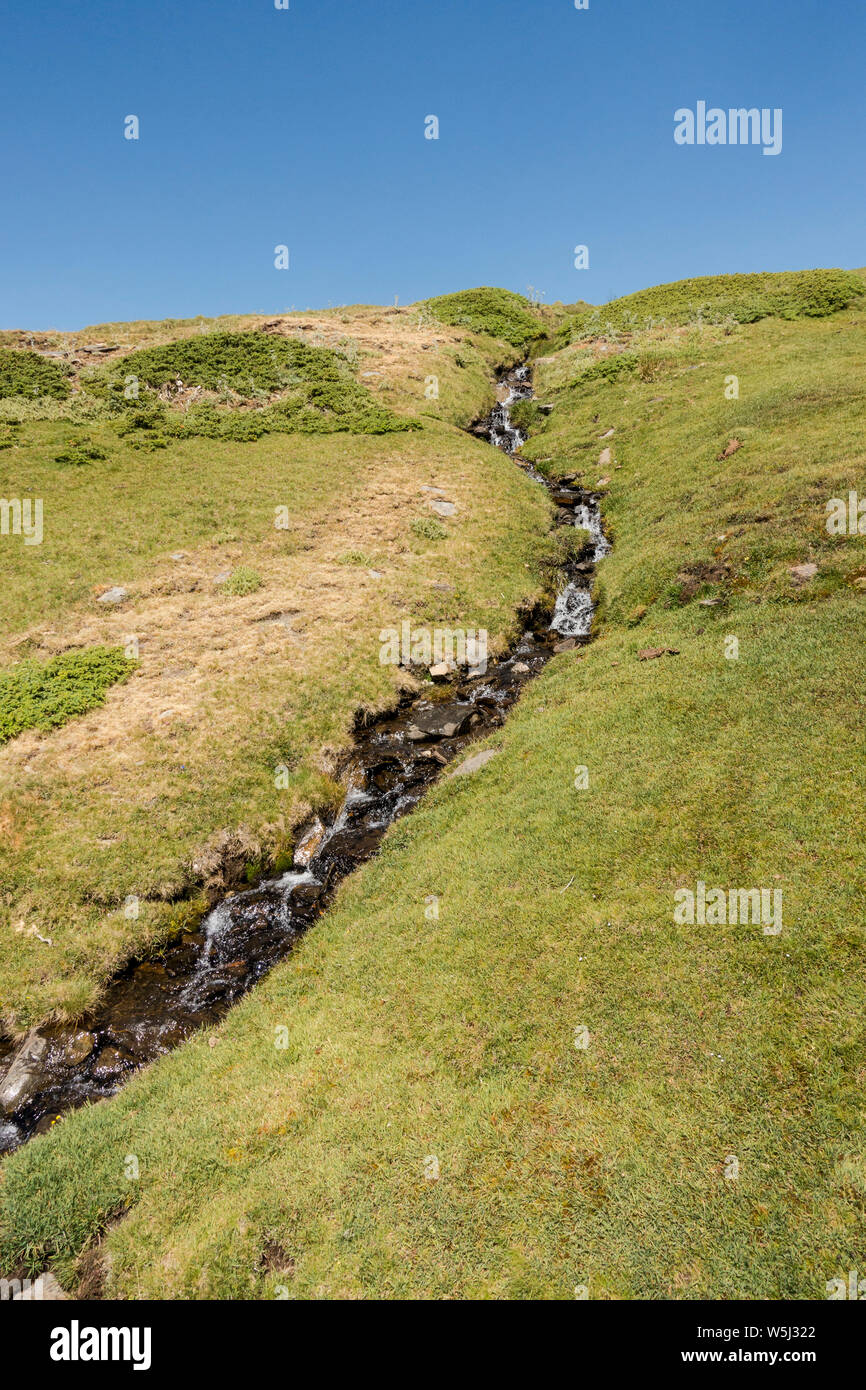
pixel 557 1083
pixel 259 510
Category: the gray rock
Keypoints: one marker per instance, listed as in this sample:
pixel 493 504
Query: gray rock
pixel 801 573
pixel 521 668
pixel 441 671
pixel 477 761
pixel 442 508
pixel 26 1067
pixel 114 595
pixel 442 721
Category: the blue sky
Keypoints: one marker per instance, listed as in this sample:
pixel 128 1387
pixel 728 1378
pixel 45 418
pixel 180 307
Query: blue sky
pixel 305 127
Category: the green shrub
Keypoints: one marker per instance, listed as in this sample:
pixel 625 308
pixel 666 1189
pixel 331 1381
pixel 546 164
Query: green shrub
pixel 717 299
pixel 315 389
pixel 426 528
pixel 497 313
pixel 242 581
pixel 80 451
pixel 609 368
pixel 25 373
pixel 44 694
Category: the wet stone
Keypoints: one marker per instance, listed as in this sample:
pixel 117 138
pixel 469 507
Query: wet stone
pixel 79 1048
pixel 305 894
pixel 111 1063
pixel 441 721
pixel 24 1073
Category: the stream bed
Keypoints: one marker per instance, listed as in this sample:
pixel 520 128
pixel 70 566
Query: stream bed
pixel 154 1004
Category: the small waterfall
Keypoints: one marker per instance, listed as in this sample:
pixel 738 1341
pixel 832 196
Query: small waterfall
pixel 573 612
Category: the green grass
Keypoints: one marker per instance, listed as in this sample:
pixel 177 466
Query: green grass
pixel 454 1038
pixel 495 313
pixel 44 694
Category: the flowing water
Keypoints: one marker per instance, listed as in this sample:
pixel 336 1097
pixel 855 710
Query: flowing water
pixel 154 1004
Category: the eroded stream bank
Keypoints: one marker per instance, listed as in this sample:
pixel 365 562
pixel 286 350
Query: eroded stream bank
pixel 154 1004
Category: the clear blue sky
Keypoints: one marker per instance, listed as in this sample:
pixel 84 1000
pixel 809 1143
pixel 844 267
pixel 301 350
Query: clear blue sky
pixel 306 127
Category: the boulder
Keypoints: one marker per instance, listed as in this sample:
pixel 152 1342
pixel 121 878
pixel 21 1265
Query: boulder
pixel 24 1071
pixel 440 721
pixel 113 595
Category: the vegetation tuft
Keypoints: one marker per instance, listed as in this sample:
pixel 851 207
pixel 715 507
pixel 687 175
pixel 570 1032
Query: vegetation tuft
pixel 241 582
pixel 426 528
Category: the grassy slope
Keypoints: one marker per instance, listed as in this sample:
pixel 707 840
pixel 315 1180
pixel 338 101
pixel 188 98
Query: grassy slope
pixel 128 799
pixel 455 1039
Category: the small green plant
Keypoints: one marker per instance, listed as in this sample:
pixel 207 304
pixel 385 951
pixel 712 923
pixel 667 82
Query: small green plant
pixel 428 529
pixel 242 581
pixel 44 694
pixel 25 373
pixel 357 557
pixel 80 451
